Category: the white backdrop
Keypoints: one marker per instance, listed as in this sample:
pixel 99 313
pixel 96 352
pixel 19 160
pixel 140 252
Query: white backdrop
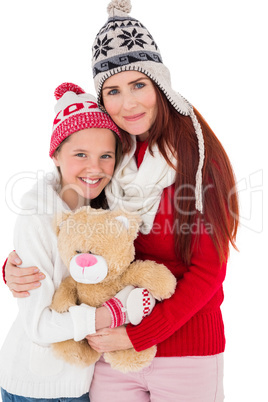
pixel 217 54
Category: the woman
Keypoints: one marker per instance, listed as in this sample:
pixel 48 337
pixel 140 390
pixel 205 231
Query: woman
pixel 183 186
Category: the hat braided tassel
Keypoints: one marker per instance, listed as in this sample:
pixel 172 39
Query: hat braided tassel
pixel 198 177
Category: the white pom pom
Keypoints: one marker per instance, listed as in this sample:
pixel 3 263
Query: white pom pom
pixel 121 5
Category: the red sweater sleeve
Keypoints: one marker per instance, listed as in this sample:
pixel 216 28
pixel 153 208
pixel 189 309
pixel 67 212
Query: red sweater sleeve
pixel 4 272
pixel 194 291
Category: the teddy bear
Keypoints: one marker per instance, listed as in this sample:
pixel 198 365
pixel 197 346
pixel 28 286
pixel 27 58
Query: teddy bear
pixel 98 248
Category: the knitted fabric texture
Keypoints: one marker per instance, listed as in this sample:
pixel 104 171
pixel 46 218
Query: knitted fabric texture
pixel 124 44
pixel 76 110
pixel 116 308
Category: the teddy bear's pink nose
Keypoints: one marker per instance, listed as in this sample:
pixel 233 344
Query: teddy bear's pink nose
pixel 85 260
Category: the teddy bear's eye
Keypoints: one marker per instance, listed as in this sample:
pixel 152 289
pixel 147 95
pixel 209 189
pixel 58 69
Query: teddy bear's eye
pixel 78 252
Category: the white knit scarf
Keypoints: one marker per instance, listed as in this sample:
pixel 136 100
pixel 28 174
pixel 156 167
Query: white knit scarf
pixel 139 190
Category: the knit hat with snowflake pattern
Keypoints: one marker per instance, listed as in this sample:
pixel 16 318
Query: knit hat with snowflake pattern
pixel 76 110
pixel 124 44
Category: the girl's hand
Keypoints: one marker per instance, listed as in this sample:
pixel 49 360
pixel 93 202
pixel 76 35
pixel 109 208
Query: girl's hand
pixel 21 280
pixel 109 340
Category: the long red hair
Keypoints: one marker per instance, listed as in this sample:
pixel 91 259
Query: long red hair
pixel 175 132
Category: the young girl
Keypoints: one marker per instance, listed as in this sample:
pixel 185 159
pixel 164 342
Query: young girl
pixel 85 147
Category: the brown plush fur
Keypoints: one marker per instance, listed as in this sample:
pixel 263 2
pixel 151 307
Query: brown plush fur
pixel 98 232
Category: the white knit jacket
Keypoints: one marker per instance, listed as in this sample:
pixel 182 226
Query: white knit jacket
pixel 27 364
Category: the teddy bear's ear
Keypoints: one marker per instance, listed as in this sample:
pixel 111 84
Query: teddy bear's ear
pixel 124 220
pixel 131 223
pixel 59 220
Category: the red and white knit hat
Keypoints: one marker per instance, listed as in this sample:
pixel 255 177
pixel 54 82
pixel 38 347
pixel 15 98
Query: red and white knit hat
pixel 76 110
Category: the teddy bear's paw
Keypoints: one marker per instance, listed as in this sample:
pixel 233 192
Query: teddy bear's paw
pixel 77 353
pixel 61 307
pixel 62 301
pixel 165 284
pixel 130 360
pixel 155 277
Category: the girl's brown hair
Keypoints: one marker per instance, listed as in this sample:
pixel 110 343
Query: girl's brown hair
pixel 101 200
pixel 175 132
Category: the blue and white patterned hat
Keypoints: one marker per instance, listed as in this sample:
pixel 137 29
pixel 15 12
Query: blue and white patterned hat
pixel 124 44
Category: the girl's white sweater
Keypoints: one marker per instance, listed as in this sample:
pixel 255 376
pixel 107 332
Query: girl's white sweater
pixel 27 364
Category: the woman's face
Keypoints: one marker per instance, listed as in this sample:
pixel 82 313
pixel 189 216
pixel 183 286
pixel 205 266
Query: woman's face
pixel 86 161
pixel 129 98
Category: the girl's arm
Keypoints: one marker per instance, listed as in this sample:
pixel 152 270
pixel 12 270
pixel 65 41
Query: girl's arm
pixel 21 280
pixel 36 244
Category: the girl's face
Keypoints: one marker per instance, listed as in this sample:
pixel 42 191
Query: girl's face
pixel 86 161
pixel 129 98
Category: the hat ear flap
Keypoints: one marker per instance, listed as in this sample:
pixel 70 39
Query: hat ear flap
pixel 59 221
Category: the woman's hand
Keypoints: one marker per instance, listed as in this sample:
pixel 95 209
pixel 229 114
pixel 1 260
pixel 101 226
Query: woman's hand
pixel 21 280
pixel 109 340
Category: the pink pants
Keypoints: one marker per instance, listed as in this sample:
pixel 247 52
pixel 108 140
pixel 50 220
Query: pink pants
pixel 167 379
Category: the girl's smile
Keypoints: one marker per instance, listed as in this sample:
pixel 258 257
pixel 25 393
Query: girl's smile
pixel 92 182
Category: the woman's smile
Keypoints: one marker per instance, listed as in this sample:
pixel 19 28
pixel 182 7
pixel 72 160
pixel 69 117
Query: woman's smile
pixel 134 117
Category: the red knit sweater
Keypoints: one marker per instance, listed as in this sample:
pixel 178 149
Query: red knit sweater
pixel 190 322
